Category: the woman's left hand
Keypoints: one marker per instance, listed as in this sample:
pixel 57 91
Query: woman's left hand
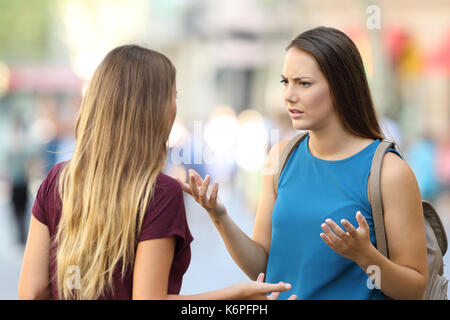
pixel 353 244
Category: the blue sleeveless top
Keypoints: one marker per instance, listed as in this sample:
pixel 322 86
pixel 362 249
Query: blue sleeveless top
pixel 311 190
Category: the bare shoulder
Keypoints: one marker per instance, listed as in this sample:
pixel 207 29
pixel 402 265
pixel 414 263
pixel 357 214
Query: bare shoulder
pixel 399 187
pixel 396 171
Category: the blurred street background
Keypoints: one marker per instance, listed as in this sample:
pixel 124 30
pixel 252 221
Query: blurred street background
pixel 229 57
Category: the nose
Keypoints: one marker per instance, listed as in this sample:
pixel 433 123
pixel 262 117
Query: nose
pixel 290 95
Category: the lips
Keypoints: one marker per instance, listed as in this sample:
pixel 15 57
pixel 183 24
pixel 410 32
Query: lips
pixel 295 113
pixel 292 110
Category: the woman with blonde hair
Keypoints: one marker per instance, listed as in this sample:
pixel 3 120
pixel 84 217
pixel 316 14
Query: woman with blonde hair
pixel 108 224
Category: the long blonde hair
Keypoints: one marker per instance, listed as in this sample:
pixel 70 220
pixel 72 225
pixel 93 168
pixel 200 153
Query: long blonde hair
pixel 121 133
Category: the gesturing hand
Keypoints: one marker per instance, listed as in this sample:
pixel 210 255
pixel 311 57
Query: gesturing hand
pixel 258 290
pixel 352 244
pixel 203 194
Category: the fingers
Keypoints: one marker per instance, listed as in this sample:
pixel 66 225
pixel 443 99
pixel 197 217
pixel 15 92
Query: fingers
pixel 185 186
pixel 330 236
pixel 198 179
pixel 260 277
pixel 327 241
pixel 340 233
pixel 273 296
pixel 362 221
pixel 213 196
pixel 276 287
pixel 199 189
pixel 193 186
pixel 350 228
pixel 203 190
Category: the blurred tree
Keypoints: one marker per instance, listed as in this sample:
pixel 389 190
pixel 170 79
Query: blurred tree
pixel 25 29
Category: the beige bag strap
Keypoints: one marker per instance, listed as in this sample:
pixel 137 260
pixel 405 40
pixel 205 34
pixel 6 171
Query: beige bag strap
pixel 292 144
pixel 375 194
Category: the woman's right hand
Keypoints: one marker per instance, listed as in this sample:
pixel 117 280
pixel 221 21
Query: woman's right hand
pixel 203 194
pixel 258 290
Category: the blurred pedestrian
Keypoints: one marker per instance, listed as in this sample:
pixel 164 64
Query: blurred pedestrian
pixel 18 164
pixel 295 236
pixel 107 224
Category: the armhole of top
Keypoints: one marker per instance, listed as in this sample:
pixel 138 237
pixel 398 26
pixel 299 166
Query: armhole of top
pixel 394 151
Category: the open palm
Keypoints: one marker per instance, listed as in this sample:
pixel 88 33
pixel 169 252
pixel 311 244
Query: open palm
pixel 203 193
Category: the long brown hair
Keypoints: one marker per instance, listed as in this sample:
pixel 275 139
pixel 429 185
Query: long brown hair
pixel 342 65
pixel 121 133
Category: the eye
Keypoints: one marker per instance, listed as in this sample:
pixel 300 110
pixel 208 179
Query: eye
pixel 284 82
pixel 305 84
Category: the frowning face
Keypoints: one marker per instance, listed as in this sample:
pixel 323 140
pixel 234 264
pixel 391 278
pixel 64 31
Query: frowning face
pixel 306 92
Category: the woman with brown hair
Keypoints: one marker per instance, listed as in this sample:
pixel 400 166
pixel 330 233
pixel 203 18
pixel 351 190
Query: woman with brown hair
pixel 108 224
pixel 296 236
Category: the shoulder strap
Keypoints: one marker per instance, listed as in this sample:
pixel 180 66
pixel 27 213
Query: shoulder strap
pixel 375 194
pixel 292 144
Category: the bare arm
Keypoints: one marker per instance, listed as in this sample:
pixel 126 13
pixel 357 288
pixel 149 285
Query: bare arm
pixel 151 275
pixel 250 254
pixel 255 290
pixel 34 283
pixel 404 275
pixel 152 267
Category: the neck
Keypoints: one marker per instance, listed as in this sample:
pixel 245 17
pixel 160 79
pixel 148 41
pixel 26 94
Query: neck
pixel 328 143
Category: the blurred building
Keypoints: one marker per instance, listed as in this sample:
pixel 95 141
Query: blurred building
pixel 227 53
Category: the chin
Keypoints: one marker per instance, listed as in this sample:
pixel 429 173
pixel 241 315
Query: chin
pixel 300 125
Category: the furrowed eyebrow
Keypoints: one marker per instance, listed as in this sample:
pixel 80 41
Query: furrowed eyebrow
pixel 296 78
